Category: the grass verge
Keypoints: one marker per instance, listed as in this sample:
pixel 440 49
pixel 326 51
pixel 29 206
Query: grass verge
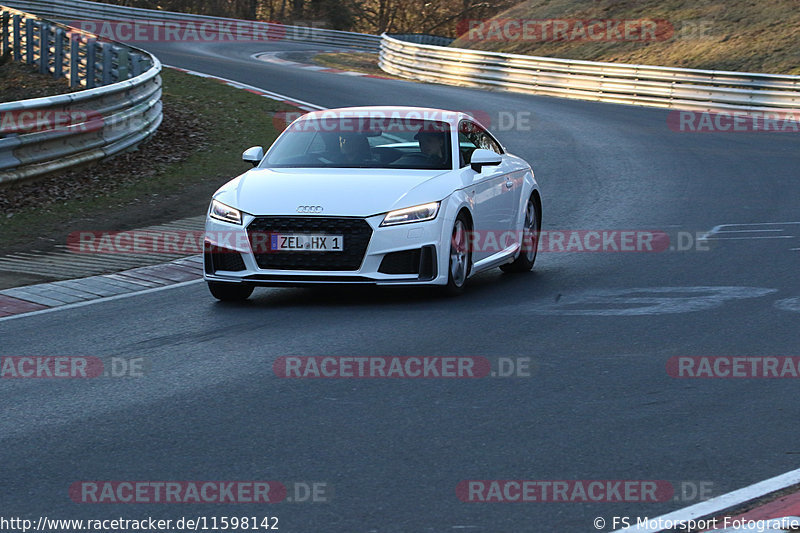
pixel 354 61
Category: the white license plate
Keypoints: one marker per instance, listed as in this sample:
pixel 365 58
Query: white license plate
pixel 306 243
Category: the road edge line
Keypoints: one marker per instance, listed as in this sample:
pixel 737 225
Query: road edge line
pixel 302 104
pixel 719 504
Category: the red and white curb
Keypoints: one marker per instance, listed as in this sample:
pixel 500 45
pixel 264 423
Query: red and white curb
pixel 305 106
pixel 777 516
pixel 272 57
pixel 724 514
pixel 72 293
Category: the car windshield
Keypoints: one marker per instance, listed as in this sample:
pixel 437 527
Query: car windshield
pixel 341 142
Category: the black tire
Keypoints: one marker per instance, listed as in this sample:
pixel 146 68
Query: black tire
pixel 230 292
pixel 530 239
pixel 460 256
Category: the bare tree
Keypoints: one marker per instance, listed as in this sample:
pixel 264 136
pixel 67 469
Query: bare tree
pixel 441 17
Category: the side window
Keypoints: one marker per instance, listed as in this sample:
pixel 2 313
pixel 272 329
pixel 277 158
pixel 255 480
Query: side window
pixel 490 144
pixel 467 141
pixel 471 137
pixel 317 145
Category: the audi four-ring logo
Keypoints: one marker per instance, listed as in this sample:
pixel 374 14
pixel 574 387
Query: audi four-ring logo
pixel 309 209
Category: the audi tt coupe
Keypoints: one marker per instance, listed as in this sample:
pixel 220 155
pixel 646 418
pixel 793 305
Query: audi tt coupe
pixel 376 195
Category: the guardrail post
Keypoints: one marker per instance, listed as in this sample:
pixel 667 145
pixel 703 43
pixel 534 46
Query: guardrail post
pixel 44 47
pixel 91 65
pixel 17 40
pixel 29 41
pixel 136 64
pixel 123 64
pixel 107 67
pixel 58 57
pixel 5 43
pixel 74 60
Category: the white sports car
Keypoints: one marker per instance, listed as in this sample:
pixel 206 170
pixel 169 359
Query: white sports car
pixel 380 195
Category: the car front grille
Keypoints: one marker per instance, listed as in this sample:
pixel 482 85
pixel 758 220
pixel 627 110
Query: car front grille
pixel 356 234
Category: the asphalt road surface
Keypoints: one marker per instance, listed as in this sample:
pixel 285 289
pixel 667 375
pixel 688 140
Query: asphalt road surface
pixel 598 328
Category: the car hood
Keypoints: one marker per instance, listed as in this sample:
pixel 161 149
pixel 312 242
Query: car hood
pixel 340 192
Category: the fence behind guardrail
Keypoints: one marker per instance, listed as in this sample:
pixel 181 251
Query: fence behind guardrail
pixel 119 107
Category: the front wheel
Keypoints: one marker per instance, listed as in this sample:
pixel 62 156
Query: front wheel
pixel 230 292
pixel 530 240
pixel 460 256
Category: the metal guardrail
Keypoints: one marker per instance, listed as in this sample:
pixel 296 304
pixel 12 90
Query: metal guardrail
pixel 423 38
pixel 120 107
pixel 84 10
pixel 708 90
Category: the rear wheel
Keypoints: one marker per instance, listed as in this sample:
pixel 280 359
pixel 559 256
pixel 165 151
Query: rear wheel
pixel 460 256
pixel 230 292
pixel 530 240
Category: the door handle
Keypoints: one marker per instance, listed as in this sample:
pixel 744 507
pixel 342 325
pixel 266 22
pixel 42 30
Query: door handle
pixel 509 184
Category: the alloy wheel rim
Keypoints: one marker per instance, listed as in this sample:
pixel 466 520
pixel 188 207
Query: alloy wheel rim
pixel 458 254
pixel 531 231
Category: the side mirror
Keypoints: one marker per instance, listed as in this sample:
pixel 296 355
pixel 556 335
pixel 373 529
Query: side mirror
pixel 253 155
pixel 484 158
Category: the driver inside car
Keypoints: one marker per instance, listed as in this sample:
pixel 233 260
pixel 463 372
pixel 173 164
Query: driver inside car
pixel 432 145
pixel 433 150
pixel 355 149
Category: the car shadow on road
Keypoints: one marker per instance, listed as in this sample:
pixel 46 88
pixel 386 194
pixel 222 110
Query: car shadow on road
pixel 486 288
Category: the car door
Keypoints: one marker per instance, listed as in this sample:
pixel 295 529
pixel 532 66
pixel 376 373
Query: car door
pixel 512 180
pixel 491 192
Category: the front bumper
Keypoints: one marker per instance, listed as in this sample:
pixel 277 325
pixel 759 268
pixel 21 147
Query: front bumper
pixel 407 254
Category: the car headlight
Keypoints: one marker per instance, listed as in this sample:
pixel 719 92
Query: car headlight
pixel 225 213
pixel 418 213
